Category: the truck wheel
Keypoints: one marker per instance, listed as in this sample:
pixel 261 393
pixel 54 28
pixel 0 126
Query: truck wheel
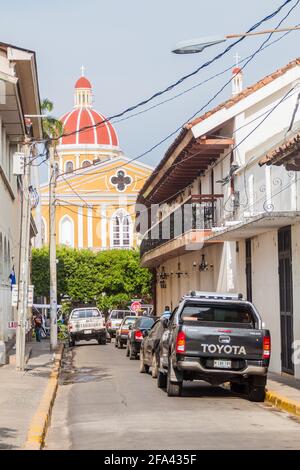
pixel 144 368
pixel 116 343
pixel 256 392
pixel 132 355
pixel 174 389
pixel 102 340
pixel 161 380
pixel 154 367
pixel 127 350
pixel 257 388
pixel 121 345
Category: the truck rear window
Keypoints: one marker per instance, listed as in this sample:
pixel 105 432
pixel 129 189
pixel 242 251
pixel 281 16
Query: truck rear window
pixel 88 313
pixel 212 313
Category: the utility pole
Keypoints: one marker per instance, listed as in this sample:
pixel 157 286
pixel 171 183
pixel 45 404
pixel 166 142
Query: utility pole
pixel 52 250
pixel 24 263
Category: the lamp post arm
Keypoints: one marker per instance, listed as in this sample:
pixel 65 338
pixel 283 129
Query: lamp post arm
pixel 266 31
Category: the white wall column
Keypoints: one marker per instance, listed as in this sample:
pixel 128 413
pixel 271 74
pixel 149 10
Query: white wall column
pixel 103 226
pixel 90 227
pixel 80 227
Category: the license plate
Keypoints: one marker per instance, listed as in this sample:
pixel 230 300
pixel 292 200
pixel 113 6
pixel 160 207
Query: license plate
pixel 88 332
pixel 220 364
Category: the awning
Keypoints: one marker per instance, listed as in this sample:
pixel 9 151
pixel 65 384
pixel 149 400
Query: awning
pixel 256 225
pixel 177 173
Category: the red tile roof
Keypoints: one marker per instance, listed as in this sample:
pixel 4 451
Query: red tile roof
pixel 284 150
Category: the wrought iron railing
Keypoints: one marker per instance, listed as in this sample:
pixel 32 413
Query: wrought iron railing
pixel 191 215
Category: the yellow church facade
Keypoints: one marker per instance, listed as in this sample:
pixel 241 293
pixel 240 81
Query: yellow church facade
pixel 97 185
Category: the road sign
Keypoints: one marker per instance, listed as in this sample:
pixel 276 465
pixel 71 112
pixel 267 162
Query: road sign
pixel 136 306
pixel 14 295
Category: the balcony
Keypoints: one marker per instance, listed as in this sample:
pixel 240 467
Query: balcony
pixel 184 229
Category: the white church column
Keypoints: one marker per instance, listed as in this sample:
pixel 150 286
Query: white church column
pixel 77 161
pixel 90 227
pixel 80 227
pixel 103 226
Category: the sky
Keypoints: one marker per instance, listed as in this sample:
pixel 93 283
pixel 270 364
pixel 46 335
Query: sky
pixel 126 46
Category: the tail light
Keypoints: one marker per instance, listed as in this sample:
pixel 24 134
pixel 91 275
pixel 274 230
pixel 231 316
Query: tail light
pixel 266 347
pixel 180 343
pixel 124 332
pixel 138 335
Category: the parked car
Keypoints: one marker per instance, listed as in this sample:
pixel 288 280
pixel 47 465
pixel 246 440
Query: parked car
pixel 136 335
pixel 149 351
pixel 115 319
pixel 86 324
pixel 217 338
pixel 123 330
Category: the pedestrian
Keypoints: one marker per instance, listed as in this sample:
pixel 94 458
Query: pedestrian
pixel 38 322
pixel 167 312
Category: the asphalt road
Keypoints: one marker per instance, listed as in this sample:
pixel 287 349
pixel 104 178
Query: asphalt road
pixel 103 402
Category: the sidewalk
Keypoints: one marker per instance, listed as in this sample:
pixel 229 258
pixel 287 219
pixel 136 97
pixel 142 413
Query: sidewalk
pixel 284 392
pixel 21 393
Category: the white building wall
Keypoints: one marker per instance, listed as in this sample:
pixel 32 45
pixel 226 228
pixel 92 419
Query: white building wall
pixel 296 288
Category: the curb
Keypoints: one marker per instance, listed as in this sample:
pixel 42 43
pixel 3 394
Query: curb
pixel 283 403
pixel 41 419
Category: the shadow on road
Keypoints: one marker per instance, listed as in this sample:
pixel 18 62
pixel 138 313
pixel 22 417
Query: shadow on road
pixel 6 433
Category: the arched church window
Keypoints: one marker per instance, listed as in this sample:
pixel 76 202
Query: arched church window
pixel 86 163
pixel 69 167
pixel 121 229
pixel 67 231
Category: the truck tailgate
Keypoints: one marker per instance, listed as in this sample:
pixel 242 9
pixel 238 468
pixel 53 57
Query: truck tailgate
pixel 225 342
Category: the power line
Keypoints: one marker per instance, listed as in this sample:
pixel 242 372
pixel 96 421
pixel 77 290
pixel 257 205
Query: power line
pixel 179 81
pixel 250 58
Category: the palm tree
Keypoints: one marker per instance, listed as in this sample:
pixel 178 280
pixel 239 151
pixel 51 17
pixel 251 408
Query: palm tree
pixel 52 127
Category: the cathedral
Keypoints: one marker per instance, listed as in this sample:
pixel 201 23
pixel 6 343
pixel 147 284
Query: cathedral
pixel 97 184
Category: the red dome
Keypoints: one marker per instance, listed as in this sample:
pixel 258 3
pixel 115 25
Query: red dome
pixel 81 117
pixel 83 82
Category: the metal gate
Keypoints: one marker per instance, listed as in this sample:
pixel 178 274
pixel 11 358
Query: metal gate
pixel 286 297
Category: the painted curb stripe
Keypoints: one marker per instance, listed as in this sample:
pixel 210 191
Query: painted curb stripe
pixel 40 421
pixel 283 403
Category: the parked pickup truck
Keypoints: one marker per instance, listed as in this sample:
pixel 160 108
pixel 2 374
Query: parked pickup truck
pixel 216 338
pixel 86 324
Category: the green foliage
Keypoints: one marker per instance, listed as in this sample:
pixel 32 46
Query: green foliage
pixel 108 278
pixel 52 127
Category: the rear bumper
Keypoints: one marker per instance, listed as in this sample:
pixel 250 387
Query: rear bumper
pixel 81 335
pixel 194 365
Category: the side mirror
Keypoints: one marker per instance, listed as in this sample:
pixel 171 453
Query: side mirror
pixel 165 322
pixel 130 327
pixel 145 333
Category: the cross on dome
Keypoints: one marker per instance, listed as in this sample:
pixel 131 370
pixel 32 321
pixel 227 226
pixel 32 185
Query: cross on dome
pixel 82 70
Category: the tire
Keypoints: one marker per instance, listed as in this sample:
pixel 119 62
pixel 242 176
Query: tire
pixel 161 380
pixel 154 367
pixel 102 340
pixel 71 343
pixel 116 343
pixel 121 345
pixel 127 350
pixel 132 355
pixel 240 388
pixel 144 368
pixel 174 389
pixel 256 393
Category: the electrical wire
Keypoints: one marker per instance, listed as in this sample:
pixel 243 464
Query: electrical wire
pixel 250 58
pixel 179 81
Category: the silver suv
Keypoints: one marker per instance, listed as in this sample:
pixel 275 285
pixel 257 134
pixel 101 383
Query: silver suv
pixel 115 319
pixel 86 324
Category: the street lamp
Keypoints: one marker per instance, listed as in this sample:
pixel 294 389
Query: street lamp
pixel 194 46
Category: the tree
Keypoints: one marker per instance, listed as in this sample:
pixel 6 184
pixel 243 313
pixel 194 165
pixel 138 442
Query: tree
pixel 108 278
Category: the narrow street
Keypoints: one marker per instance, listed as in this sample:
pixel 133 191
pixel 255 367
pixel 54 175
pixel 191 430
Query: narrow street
pixel 103 402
